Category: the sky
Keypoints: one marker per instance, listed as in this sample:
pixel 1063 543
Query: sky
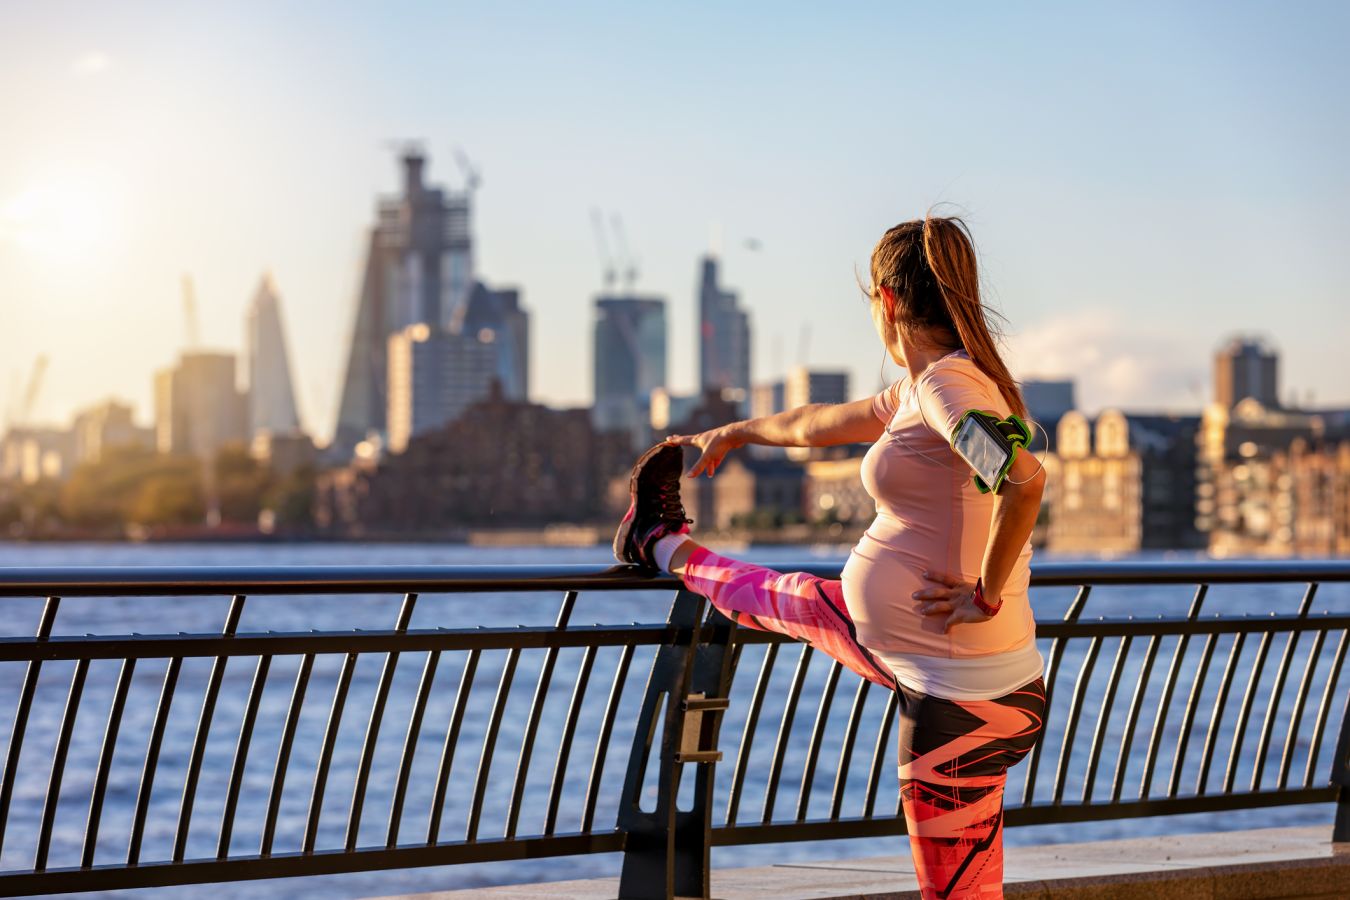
pixel 1142 180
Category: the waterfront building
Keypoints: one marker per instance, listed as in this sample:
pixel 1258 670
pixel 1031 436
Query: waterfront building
pixel 434 375
pixel 723 338
pixel 271 395
pixel 629 363
pixel 1246 368
pixel 749 493
pixel 503 463
pixel 833 492
pixel 283 454
pixel 198 408
pixel 1124 483
pixel 104 426
pixel 418 270
pixel 29 454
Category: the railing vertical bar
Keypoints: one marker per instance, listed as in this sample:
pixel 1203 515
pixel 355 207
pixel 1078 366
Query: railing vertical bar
pixel 1281 674
pixel 373 724
pixel 241 755
pixel 565 745
pixel 410 746
pixel 451 743
pixel 748 732
pixel 532 722
pixel 785 730
pixel 59 764
pixel 1188 714
pixel 817 735
pixel 1132 720
pixel 879 751
pixel 119 703
pixel 846 751
pixel 1103 717
pixel 1075 705
pixel 152 748
pixel 1324 708
pixel 1245 712
pixel 1165 700
pixel 30 679
pixel 325 760
pixel 602 740
pixel 208 712
pixel 284 752
pixel 490 742
pixel 1300 698
pixel 1057 646
pixel 1212 733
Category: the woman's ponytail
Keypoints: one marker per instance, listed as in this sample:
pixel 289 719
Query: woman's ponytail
pixel 950 255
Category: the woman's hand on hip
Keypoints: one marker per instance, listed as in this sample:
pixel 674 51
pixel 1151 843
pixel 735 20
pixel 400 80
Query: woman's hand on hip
pixel 714 444
pixel 955 601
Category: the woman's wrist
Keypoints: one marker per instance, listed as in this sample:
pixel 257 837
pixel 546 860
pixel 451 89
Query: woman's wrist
pixel 989 605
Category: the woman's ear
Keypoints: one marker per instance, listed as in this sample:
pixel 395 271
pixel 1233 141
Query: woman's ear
pixel 888 302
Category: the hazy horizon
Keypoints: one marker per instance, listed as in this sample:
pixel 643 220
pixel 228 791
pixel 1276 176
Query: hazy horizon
pixel 1142 182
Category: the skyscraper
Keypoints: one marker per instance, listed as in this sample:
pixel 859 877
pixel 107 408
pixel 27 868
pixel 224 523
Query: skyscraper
pixel 434 375
pixel 271 398
pixel 419 269
pixel 724 338
pixel 495 317
pixel 805 386
pixel 630 362
pixel 1246 367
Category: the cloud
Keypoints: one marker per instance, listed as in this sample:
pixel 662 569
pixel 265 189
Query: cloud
pixel 91 63
pixel 1114 362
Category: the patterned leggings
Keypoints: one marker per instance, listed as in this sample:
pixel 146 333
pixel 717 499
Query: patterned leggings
pixel 954 754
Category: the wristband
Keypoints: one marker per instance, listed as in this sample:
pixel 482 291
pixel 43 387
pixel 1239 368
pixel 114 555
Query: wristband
pixel 979 600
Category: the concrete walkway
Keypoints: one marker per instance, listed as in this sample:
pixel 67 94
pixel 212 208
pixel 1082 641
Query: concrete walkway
pixel 1272 862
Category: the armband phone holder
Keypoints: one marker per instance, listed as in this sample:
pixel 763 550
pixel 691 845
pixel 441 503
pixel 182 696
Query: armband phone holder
pixel 989 445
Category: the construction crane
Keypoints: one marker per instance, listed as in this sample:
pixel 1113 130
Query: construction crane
pixel 191 328
pixel 472 180
pixel 629 263
pixel 602 247
pixel 30 394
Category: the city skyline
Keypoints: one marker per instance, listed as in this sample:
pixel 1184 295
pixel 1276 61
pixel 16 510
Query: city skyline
pixel 1181 186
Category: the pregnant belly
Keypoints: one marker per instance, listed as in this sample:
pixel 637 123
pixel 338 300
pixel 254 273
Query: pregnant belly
pixel 878 583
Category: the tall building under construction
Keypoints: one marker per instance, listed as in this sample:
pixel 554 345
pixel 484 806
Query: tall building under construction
pixel 420 271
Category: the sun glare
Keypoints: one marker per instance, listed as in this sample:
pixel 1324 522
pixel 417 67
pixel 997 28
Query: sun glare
pixel 65 221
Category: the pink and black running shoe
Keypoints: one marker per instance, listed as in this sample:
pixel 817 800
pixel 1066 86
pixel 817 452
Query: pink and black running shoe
pixel 655 509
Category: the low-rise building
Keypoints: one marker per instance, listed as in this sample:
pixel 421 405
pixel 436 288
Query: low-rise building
pixel 1122 484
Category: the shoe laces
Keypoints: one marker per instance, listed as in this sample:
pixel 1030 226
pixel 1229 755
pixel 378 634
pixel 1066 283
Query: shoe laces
pixel 672 510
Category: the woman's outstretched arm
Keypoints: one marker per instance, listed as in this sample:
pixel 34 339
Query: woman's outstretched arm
pixel 813 425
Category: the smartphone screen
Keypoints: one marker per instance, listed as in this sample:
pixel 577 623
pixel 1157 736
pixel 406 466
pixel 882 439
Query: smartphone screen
pixel 979 448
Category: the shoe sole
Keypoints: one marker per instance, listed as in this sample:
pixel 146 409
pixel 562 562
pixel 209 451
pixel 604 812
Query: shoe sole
pixel 625 532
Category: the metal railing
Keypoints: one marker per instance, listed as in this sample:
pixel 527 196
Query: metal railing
pixel 228 775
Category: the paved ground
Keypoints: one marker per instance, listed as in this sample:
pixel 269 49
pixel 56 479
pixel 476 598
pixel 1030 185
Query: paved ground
pixel 1273 862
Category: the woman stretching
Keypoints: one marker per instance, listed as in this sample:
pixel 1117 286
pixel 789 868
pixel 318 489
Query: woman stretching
pixel 933 600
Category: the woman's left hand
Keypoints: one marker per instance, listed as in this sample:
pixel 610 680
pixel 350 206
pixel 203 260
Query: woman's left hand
pixel 956 599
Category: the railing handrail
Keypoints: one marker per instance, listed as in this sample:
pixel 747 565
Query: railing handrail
pixel 95 581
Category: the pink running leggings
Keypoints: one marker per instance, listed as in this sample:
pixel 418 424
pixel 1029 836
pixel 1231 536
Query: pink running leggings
pixel 954 754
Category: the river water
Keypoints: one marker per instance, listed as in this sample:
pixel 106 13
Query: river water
pixel 158 615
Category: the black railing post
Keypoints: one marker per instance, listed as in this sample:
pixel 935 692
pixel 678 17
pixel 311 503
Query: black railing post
pixel 1340 776
pixel 667 851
